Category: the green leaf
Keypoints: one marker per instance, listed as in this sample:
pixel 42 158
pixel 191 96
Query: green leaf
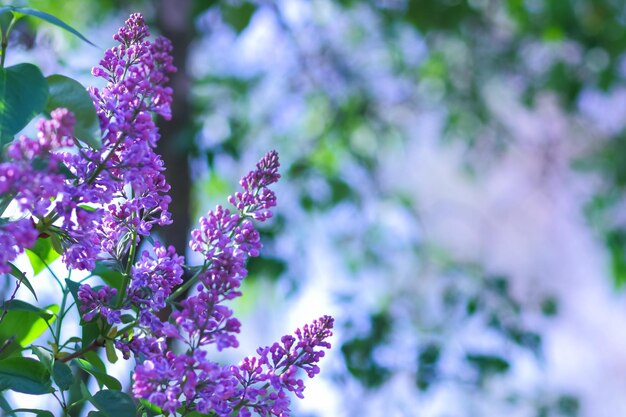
pixel 44 356
pixel 114 403
pixel 69 93
pixel 48 18
pixel 41 254
pixel 19 305
pixel 5 406
pixel 74 339
pixel 24 327
pixel 21 276
pixel 153 409
pixel 62 375
pixel 25 375
pixel 23 95
pixel 35 411
pixel 238 17
pixel 109 347
pixel 94 359
pixel 488 364
pixel 113 279
pixel 102 377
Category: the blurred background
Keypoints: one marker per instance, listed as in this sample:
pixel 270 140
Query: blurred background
pixel 453 187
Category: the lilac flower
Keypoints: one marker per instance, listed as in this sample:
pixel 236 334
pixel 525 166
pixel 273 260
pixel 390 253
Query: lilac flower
pixel 127 171
pixel 15 236
pixel 260 384
pixel 154 277
pixel 264 379
pixel 32 177
pixel 98 301
pixel 136 72
pixel 206 322
pixel 226 239
pixel 256 199
pixel 170 380
pixel 32 174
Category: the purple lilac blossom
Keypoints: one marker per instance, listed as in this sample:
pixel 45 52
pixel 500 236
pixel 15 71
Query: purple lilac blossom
pixel 259 384
pixel 15 236
pixel 136 72
pixel 32 178
pixel 128 170
pixel 98 301
pixel 264 379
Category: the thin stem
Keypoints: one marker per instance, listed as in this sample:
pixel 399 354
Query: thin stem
pixel 12 297
pixel 187 284
pixel 5 39
pixel 93 346
pixel 61 316
pixel 129 264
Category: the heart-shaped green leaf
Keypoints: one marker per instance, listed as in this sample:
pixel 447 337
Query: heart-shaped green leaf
pixel 114 403
pixel 102 377
pixel 24 375
pixel 23 95
pixel 23 327
pixel 62 375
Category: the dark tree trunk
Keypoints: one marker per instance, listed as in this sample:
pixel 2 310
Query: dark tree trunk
pixel 176 23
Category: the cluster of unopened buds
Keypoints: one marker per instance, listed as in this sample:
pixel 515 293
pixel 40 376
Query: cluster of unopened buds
pixel 103 203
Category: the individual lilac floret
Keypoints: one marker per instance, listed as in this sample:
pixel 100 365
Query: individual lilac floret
pixel 99 301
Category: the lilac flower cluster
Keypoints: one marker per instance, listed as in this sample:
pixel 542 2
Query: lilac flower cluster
pixel 258 384
pixel 263 380
pixel 100 203
pixel 84 196
pixel 95 301
pixel 14 237
pixel 136 72
pixel 127 169
pixel 32 177
pixel 226 239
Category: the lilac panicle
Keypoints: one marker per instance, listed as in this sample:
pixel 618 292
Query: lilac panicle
pixel 127 170
pixel 32 177
pixel 227 239
pixel 264 379
pixel 98 301
pixel 259 384
pixel 136 71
